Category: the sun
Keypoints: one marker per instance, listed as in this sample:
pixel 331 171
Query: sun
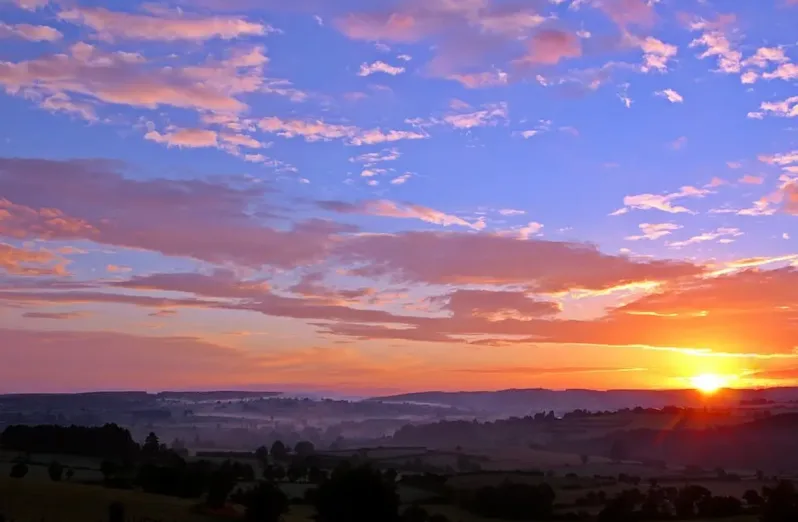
pixel 708 383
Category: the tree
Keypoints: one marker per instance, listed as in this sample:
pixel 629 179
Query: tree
pixel 781 504
pixel 19 470
pixel 262 455
pixel 70 473
pixel 359 494
pixel 266 502
pixel 753 498
pixel 56 471
pixel 279 452
pixel 584 459
pixel 152 446
pixel 304 448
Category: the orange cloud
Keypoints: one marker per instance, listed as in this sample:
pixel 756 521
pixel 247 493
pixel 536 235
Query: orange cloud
pixel 23 262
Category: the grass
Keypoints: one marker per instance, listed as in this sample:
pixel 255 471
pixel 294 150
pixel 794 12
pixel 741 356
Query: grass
pixel 27 500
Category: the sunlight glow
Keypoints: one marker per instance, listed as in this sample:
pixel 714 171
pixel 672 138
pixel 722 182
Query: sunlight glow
pixel 709 383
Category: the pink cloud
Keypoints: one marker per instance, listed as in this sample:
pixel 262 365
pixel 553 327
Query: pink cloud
pixel 550 46
pixel 386 208
pixel 629 12
pixel 197 219
pixel 34 33
pixel 112 24
pixel 545 266
pixel 318 130
pixel 126 78
pixel 191 138
pixel 55 316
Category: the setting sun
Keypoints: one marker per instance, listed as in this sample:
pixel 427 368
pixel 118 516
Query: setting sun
pixel 709 382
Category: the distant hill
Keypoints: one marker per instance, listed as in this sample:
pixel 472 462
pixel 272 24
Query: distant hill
pixel 525 401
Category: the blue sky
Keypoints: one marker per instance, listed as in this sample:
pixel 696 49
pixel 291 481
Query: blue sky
pixel 480 172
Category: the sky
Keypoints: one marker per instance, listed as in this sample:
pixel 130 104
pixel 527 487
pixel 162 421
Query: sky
pixel 379 196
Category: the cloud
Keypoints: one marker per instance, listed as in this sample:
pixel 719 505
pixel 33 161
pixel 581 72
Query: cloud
pixel 718 45
pixel 656 54
pixel 53 360
pixel 653 231
pixel 490 115
pixel 785 71
pixel 372 158
pixel 205 220
pixel 24 262
pixel 765 56
pixel 379 67
pixel 111 25
pixel 671 95
pixel 724 234
pixel 749 179
pixel 34 33
pixel 531 229
pixel 749 77
pixel 663 203
pixel 464 258
pixel 126 79
pixel 481 80
pixel 785 109
pixel 30 5
pixel 629 12
pixel 466 36
pixel 549 46
pixel 495 305
pixel 401 180
pixel 392 209
pixel 190 138
pixel 511 212
pixel 318 130
pixel 55 316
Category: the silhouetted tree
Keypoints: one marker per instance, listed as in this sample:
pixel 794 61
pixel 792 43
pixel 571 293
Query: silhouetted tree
pixel 360 494
pixel 262 455
pixel 70 473
pixel 265 503
pixel 584 459
pixel 152 446
pixel 304 448
pixel 56 471
pixel 279 452
pixel 19 470
pixel 781 504
pixel 753 498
